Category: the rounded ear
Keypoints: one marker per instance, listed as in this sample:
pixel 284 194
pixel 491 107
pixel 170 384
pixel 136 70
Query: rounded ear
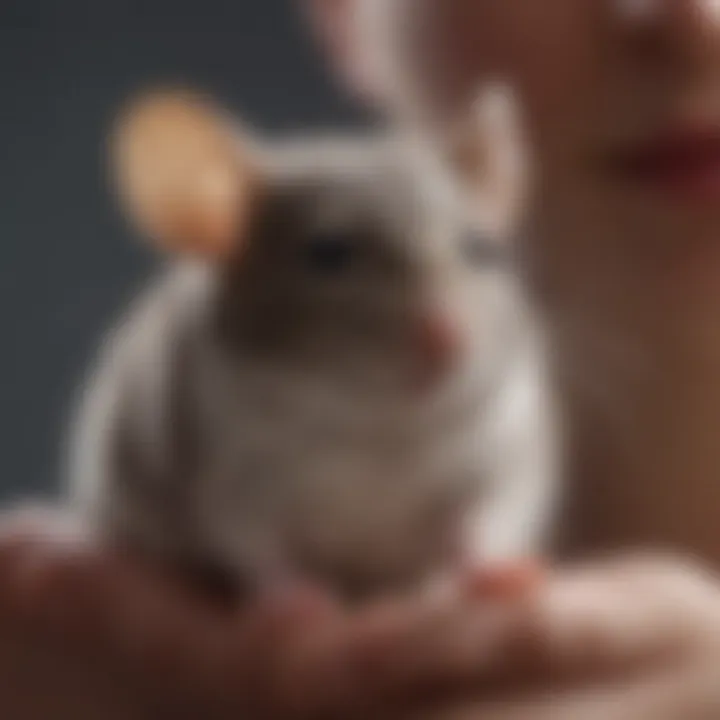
pixel 182 175
pixel 490 154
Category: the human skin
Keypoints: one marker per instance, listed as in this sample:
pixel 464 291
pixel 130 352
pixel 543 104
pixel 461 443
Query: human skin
pixel 87 636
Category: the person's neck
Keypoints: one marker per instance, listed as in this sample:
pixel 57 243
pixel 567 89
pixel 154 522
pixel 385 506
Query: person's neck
pixel 639 377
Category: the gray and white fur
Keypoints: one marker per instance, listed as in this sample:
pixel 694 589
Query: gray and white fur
pixel 290 411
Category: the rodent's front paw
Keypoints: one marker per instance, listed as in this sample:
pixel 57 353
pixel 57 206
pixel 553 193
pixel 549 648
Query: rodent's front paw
pixel 509 580
pixel 491 582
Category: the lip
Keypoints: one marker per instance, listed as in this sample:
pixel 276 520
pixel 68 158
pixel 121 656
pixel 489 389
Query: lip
pixel 684 163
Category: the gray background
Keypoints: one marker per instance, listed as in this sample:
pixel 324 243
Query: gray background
pixel 67 264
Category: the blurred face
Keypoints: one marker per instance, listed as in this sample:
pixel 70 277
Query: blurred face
pixel 622 112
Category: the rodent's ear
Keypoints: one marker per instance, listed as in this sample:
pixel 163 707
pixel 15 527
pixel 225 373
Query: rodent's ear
pixel 184 174
pixel 491 155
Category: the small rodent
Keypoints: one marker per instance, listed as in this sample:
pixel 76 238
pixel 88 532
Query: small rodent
pixel 335 376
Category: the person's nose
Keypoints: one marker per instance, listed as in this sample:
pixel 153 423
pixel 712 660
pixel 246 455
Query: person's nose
pixel 687 30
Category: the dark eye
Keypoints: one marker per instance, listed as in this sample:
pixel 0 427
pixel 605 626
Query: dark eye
pixel 330 253
pixel 480 250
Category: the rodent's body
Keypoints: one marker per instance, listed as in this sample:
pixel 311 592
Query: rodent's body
pixel 207 440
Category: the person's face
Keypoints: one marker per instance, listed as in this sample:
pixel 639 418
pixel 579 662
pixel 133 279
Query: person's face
pixel 621 102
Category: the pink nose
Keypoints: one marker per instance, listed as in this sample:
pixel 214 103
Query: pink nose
pixel 438 345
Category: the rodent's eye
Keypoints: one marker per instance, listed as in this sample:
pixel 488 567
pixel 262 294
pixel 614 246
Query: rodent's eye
pixel 330 252
pixel 481 251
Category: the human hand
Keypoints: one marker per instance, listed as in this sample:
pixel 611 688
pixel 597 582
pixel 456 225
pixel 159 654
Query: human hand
pixel 630 639
pixel 86 635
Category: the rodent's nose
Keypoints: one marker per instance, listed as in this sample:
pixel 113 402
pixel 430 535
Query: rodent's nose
pixel 438 345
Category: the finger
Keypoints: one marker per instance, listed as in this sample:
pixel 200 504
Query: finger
pixel 28 533
pixel 262 637
pixel 620 614
pixel 579 625
pixel 104 612
pixel 182 652
pixel 690 694
pixel 603 623
pixel 398 649
pixel 163 639
pixel 25 557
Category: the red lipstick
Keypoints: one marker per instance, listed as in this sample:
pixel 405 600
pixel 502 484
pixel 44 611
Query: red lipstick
pixel 683 164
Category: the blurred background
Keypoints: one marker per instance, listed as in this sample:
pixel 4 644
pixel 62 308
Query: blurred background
pixel 67 263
